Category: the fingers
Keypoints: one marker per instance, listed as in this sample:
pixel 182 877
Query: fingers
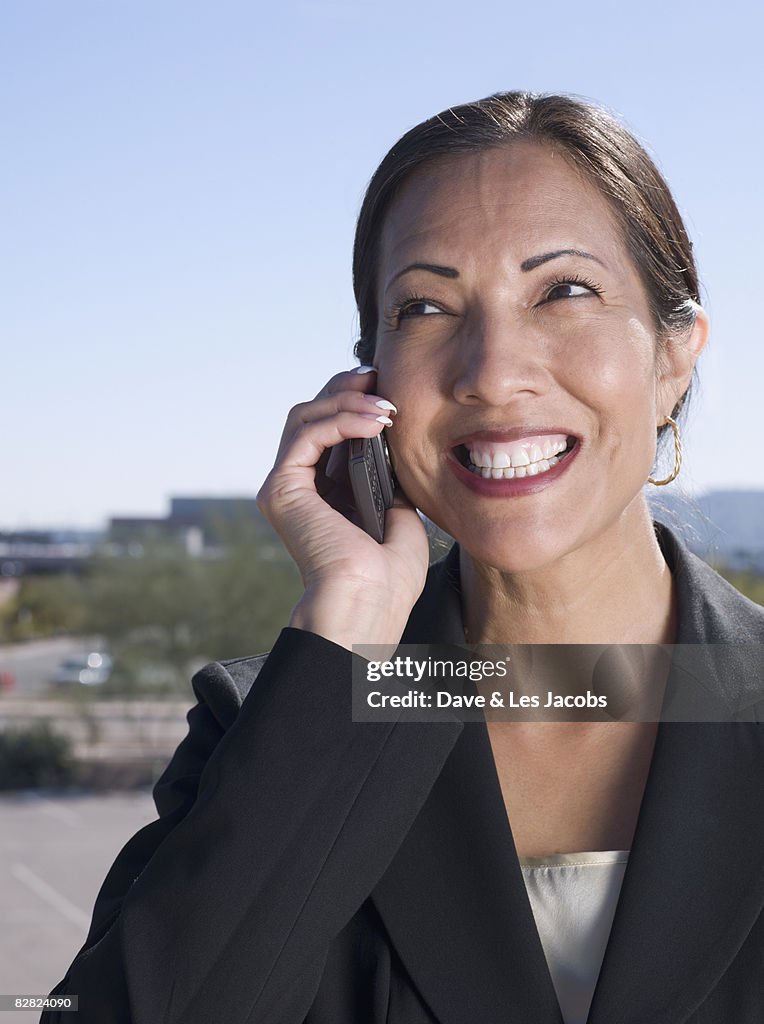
pixel 308 443
pixel 332 403
pixel 350 380
pixel 340 401
pixel 345 408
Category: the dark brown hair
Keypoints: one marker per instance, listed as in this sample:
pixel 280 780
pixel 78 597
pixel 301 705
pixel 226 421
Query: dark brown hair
pixel 595 143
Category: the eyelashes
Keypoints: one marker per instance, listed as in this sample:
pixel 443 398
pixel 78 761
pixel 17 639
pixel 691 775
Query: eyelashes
pixel 404 306
pixel 573 280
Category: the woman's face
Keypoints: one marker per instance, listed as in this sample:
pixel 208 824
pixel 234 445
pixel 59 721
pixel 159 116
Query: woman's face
pixel 514 331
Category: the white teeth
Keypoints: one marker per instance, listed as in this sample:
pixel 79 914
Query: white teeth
pixel 534 469
pixel 554 448
pixel 498 465
pixel 524 457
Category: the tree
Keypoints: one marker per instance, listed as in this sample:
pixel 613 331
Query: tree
pixel 44 606
pixel 164 612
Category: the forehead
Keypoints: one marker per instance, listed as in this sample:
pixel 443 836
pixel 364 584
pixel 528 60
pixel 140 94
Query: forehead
pixel 499 201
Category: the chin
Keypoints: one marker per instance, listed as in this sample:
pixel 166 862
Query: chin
pixel 506 546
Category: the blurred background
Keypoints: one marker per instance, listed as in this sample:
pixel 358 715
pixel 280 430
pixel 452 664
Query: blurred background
pixel 180 183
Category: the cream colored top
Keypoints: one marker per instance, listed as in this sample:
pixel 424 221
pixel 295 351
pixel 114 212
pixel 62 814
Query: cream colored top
pixel 573 897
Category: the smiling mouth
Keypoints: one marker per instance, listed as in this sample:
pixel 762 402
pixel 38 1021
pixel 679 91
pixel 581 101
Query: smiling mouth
pixel 508 462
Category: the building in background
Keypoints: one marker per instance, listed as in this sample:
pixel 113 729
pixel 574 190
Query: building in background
pixel 29 552
pixel 201 526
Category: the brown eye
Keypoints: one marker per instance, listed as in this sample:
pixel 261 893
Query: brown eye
pixel 568 290
pixel 418 307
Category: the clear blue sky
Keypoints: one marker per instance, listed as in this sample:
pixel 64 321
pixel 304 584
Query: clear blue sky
pixel 179 187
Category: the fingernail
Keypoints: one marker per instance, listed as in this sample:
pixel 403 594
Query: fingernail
pixel 364 369
pixel 383 419
pixel 384 404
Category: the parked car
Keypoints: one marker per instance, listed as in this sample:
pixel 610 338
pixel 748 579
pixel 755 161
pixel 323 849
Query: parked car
pixel 89 669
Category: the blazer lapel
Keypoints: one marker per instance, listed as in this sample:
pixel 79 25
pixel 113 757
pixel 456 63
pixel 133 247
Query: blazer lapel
pixel 694 884
pixel 455 905
pixel 453 900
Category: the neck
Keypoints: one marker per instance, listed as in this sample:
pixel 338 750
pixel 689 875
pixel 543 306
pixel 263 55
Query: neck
pixel 613 589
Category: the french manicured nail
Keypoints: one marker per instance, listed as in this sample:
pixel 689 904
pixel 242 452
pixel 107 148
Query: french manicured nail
pixel 387 406
pixel 381 403
pixel 384 419
pixel 364 369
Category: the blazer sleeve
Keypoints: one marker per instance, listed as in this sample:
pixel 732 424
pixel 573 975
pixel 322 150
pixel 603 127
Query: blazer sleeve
pixel 202 907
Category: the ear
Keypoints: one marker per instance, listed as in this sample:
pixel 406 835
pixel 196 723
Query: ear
pixel 678 357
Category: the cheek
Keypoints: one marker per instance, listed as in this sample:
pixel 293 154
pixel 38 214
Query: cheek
pixel 415 392
pixel 409 382
pixel 618 346
pixel 618 369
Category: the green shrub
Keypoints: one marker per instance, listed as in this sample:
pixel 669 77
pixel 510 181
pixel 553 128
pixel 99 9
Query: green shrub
pixel 34 757
pixel 44 606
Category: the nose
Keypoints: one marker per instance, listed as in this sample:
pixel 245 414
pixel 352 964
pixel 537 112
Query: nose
pixel 496 359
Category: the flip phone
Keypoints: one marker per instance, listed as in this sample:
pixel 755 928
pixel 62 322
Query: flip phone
pixel 372 480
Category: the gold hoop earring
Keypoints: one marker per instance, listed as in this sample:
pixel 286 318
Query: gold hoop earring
pixel 677 456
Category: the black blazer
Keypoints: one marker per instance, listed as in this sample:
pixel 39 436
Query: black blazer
pixel 307 869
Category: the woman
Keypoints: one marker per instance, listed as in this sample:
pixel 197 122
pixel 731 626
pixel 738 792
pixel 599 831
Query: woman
pixel 530 322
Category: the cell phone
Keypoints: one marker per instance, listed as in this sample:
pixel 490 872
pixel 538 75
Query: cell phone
pixel 373 483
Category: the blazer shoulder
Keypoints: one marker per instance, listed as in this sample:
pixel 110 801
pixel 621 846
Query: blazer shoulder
pixel 711 610
pixel 728 615
pixel 730 629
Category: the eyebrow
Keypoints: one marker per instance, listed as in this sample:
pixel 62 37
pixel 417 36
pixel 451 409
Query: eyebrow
pixel 530 264
pixel 536 261
pixel 432 268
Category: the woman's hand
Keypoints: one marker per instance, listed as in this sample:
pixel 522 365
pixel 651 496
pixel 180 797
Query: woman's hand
pixel 356 590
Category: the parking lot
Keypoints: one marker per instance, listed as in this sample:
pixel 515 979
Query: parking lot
pixel 54 854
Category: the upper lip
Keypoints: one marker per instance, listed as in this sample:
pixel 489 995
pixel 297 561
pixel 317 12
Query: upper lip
pixel 508 434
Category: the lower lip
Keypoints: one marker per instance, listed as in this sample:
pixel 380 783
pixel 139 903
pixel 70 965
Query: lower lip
pixel 491 488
